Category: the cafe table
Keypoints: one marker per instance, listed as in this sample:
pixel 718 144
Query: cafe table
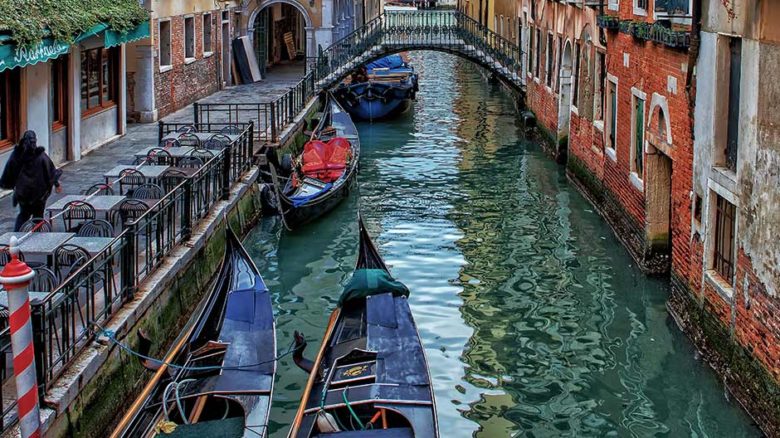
pixel 38 245
pixel 102 204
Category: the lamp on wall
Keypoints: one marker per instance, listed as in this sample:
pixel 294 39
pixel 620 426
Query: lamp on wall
pixel 311 3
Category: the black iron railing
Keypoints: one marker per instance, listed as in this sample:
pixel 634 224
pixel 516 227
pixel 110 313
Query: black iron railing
pixel 95 289
pixel 390 32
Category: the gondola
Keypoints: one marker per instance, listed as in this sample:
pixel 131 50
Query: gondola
pixel 382 89
pixel 325 171
pixel 221 373
pixel 370 377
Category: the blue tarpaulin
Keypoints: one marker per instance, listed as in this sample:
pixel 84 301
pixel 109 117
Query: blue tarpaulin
pixel 391 62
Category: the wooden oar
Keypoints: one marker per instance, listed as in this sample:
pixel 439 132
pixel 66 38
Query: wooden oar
pixel 314 372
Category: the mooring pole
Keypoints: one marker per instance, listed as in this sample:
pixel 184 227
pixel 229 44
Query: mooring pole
pixel 15 277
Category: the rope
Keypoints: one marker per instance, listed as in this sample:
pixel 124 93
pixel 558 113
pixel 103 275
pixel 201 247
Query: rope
pixel 352 411
pixel 100 331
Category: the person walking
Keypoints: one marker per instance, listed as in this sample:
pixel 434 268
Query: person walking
pixel 30 173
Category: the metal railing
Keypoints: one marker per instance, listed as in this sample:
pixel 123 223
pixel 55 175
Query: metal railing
pixel 391 32
pixel 95 289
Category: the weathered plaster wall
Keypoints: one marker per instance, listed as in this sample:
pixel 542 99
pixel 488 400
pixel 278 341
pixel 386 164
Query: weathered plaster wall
pixel 98 128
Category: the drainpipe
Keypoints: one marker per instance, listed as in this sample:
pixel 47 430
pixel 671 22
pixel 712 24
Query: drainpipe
pixel 693 56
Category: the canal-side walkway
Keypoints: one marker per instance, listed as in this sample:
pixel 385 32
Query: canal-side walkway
pixel 79 175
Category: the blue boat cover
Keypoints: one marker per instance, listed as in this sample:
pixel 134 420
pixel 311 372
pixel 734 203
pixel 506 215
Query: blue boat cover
pixel 300 200
pixel 390 61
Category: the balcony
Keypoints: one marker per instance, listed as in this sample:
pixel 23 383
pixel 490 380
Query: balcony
pixel 609 22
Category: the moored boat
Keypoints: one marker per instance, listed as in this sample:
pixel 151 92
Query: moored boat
pixel 218 378
pixel 382 89
pixel 323 174
pixel 370 377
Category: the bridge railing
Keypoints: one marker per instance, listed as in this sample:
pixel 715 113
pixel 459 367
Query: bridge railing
pixel 400 30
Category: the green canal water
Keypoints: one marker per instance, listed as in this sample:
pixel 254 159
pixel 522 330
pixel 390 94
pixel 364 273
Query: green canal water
pixel 534 319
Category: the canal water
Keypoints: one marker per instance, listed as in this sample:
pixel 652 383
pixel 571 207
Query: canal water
pixel 534 319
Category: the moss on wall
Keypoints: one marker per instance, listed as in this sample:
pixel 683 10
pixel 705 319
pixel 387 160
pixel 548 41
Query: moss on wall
pixel 750 383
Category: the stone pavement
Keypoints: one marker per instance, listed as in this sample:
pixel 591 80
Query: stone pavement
pixel 80 175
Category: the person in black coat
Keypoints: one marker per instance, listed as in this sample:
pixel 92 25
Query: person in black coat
pixel 31 174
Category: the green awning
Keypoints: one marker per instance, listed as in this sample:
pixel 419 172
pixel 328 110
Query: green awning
pixel 114 38
pixel 12 56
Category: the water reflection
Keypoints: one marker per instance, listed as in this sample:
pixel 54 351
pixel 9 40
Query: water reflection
pixel 534 320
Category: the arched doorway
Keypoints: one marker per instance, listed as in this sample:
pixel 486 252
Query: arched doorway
pixel 281 34
pixel 564 108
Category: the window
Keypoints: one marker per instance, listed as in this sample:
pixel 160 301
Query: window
pixel 576 78
pixel 165 43
pixel 59 92
pixel 98 78
pixel 531 50
pixel 735 74
pixel 559 50
pixel 723 256
pixel 612 114
pixel 598 95
pixel 538 52
pixel 189 38
pixel 697 209
pixel 640 7
pixel 638 139
pixel 548 66
pixel 613 5
pixel 9 107
pixel 207 33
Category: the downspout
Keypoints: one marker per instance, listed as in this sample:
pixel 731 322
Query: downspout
pixel 693 56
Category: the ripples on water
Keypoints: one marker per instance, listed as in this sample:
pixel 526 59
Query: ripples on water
pixel 534 319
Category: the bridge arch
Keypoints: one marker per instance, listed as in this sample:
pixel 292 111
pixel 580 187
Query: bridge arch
pixel 334 80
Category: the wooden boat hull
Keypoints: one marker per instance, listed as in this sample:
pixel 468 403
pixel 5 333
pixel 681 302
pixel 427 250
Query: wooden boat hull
pixel 376 100
pixel 371 367
pixel 300 212
pixel 224 362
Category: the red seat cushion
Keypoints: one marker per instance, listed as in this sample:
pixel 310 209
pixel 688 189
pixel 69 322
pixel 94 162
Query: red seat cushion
pixel 326 161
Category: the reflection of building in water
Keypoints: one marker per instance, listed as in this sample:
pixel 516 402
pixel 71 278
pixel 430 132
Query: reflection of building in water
pixel 283 31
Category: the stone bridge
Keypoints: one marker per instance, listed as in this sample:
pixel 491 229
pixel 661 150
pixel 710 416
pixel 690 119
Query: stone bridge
pixel 401 31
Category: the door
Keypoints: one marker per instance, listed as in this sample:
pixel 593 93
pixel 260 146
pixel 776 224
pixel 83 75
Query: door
pixel 261 39
pixel 226 59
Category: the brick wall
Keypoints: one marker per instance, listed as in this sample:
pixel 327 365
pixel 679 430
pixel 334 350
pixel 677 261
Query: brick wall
pixel 186 82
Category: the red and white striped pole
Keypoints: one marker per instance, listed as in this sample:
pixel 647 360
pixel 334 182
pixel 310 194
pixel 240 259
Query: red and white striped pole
pixel 15 277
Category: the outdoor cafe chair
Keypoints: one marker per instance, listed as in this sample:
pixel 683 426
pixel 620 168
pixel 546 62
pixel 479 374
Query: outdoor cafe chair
pixel 230 130
pixel 189 139
pixel 99 189
pixel 213 144
pixel 5 255
pixel 169 143
pixel 130 178
pixel 131 209
pixel 218 141
pixel 68 258
pixel 96 228
pixel 190 162
pixel 74 213
pixel 36 225
pixel 204 154
pixel 45 280
pixel 147 191
pixel 187 129
pixel 172 178
pixel 159 156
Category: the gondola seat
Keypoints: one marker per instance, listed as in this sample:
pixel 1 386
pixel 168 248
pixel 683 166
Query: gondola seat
pixel 326 161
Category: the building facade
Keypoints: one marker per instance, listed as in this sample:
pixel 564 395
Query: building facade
pixel 188 57
pixel 72 95
pixel 729 298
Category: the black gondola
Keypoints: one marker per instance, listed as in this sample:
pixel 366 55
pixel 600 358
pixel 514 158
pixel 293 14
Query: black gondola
pixel 370 377
pixel 222 373
pixel 306 197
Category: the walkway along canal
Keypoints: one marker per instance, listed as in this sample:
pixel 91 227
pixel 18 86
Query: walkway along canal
pixel 534 318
